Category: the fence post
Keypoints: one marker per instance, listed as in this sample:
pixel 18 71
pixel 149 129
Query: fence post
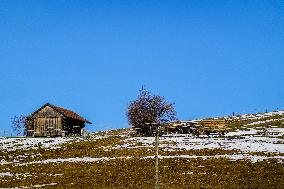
pixel 157 157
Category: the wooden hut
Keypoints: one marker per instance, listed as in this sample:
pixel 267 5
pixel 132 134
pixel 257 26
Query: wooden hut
pixel 50 120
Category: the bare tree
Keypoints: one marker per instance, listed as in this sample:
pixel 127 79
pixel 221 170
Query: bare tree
pixel 149 109
pixel 18 124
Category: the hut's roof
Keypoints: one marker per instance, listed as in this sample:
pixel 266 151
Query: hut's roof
pixel 65 112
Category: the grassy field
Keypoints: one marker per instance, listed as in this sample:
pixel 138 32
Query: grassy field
pixel 126 168
pixel 246 158
pixel 139 173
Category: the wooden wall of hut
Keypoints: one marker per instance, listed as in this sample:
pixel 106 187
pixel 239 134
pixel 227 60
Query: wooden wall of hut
pixel 47 122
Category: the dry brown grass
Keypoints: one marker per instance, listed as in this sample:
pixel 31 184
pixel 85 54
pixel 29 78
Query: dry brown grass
pixel 139 173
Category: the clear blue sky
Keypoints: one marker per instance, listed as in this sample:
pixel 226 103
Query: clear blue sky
pixel 209 57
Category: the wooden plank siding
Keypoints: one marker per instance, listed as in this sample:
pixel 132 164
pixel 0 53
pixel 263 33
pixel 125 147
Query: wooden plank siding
pixel 51 120
pixel 47 122
pixel 48 126
pixel 213 122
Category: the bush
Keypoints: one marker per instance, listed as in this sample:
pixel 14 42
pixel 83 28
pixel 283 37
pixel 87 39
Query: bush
pixel 148 111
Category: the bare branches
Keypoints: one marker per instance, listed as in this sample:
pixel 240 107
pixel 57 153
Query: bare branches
pixel 149 109
pixel 18 124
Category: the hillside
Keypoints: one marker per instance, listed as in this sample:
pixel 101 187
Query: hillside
pixel 249 155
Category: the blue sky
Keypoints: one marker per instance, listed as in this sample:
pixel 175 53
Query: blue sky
pixel 209 57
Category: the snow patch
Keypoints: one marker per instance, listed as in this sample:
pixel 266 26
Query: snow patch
pixel 245 141
pixel 72 160
pixel 6 174
pixel 14 144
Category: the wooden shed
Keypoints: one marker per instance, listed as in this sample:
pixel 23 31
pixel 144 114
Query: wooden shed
pixel 50 120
